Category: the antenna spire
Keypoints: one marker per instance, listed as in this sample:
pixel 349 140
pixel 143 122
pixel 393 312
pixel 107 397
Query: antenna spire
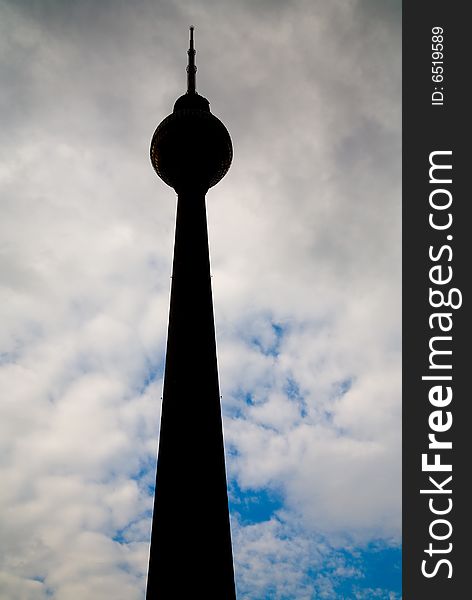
pixel 191 68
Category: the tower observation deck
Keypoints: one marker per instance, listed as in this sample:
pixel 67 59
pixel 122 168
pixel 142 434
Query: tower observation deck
pixel 191 554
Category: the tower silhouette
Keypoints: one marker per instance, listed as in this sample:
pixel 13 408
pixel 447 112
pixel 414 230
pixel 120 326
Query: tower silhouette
pixel 191 554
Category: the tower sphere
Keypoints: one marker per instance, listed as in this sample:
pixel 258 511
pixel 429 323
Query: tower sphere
pixel 191 148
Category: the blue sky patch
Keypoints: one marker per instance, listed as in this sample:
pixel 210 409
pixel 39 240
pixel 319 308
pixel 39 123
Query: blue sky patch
pixel 253 506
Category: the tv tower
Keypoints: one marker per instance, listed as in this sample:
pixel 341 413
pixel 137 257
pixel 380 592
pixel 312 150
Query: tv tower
pixel 191 554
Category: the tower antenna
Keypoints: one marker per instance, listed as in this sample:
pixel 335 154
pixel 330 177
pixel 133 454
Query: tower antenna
pixel 191 68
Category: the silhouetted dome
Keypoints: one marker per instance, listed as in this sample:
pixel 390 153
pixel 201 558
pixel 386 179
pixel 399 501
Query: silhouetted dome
pixel 194 101
pixel 191 148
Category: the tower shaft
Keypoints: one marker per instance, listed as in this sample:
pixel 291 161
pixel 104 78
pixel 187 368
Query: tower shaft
pixel 191 553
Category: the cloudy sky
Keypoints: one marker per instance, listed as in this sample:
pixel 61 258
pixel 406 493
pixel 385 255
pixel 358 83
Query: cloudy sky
pixel 305 251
